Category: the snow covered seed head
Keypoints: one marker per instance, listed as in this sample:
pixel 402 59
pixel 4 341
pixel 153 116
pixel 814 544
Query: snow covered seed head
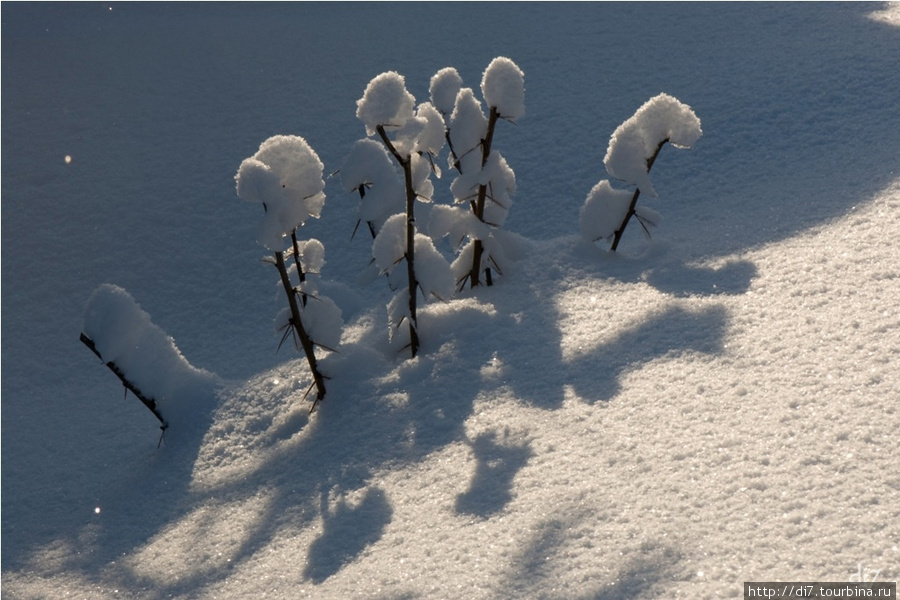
pixel 385 102
pixel 662 118
pixel 422 133
pixel 445 85
pixel 285 175
pixel 468 124
pixel 503 87
pixel 431 138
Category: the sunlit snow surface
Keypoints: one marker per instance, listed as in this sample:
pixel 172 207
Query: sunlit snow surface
pixel 714 406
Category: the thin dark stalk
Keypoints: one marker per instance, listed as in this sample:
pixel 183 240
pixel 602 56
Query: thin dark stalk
pixel 301 276
pixel 637 192
pixel 406 163
pixel 305 341
pixel 150 403
pixel 478 205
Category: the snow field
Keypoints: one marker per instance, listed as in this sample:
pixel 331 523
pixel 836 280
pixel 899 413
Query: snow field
pixel 714 422
pixel 716 406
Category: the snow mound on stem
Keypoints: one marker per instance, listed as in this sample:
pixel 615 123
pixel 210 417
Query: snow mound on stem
pixel 123 333
pixel 503 87
pixel 285 175
pixel 385 103
pixel 661 119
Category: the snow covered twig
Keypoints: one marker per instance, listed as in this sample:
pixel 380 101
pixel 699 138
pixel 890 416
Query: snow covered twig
pixel 632 152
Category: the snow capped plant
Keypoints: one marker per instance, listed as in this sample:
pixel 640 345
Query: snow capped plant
pixel 417 137
pixel 632 150
pixel 285 176
pixel 142 355
pixel 385 103
pixel 485 182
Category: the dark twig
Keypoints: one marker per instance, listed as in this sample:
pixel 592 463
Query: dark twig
pixel 406 163
pixel 637 192
pixel 478 249
pixel 149 402
pixel 305 341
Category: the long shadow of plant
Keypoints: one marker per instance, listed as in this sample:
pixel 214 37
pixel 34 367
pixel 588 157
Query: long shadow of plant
pixel 643 574
pixel 491 486
pixel 595 374
pixel 682 280
pixel 348 531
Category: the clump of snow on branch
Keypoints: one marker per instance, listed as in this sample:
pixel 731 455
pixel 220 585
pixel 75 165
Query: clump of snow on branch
pixel 661 119
pixel 485 182
pixel 444 86
pixel 430 139
pixel 468 127
pixel 312 256
pixel 285 176
pixel 433 274
pixel 503 87
pixel 603 211
pixel 369 170
pixel 385 103
pixel 123 333
pixel 389 246
pixel 455 223
pixel 321 317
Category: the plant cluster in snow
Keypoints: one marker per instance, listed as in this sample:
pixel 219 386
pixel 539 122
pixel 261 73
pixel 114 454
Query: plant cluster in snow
pixel 484 185
pixel 390 180
pixel 390 175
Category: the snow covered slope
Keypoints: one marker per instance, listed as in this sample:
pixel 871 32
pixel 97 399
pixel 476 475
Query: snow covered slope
pixel 716 406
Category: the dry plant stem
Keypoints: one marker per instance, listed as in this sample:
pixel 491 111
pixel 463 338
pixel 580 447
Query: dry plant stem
pixel 148 402
pixel 637 192
pixel 305 342
pixel 301 276
pixel 406 163
pixel 478 208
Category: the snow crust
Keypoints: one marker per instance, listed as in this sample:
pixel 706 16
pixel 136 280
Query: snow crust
pixel 662 118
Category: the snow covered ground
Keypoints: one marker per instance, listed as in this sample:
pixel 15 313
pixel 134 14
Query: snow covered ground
pixel 716 406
